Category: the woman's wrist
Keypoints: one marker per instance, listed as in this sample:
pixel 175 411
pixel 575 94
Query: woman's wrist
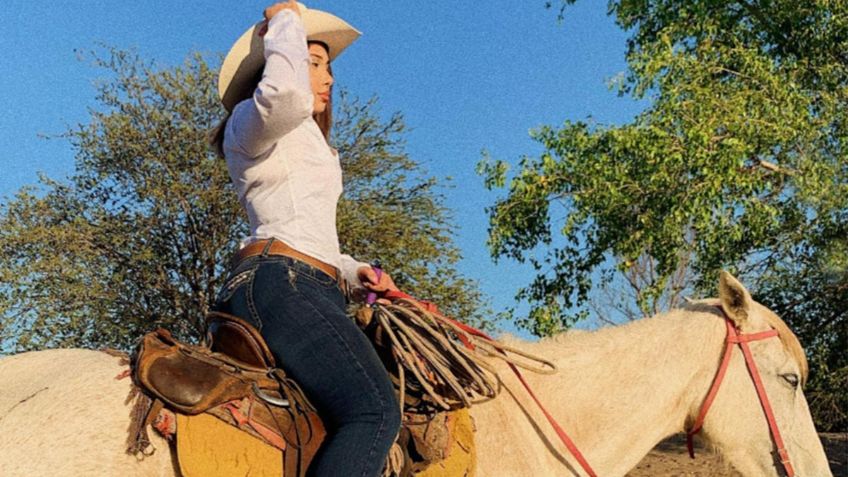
pixel 281 7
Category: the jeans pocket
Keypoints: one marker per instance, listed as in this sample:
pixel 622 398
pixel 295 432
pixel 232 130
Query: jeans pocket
pixel 236 296
pixel 313 276
pixel 233 283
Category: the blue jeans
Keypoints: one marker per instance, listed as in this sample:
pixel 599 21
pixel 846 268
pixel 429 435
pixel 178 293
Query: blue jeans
pixel 300 312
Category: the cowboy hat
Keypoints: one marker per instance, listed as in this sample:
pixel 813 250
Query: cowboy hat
pixel 247 56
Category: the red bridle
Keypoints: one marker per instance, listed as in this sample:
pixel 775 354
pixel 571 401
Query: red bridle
pixel 735 337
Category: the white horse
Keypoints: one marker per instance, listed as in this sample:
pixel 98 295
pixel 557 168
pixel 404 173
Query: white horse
pixel 618 393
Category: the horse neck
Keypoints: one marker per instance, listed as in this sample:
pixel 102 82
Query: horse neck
pixel 634 385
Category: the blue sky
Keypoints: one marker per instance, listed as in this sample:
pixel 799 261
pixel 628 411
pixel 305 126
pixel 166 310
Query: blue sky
pixel 467 76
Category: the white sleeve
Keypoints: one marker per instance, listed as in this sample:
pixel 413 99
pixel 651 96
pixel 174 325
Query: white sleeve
pixel 283 99
pixel 348 268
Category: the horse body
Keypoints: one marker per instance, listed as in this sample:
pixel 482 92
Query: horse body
pixel 621 391
pixel 64 413
pixel 618 393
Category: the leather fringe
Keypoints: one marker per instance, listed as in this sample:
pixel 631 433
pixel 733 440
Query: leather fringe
pixel 144 411
pixel 125 357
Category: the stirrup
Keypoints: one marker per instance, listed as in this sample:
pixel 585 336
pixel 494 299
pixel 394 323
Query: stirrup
pixel 270 399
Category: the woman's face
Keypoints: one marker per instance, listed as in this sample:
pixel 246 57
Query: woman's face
pixel 320 76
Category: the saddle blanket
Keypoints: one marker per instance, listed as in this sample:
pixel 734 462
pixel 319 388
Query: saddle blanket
pixel 209 447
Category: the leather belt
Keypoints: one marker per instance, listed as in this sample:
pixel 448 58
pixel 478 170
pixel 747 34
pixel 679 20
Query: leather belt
pixel 279 248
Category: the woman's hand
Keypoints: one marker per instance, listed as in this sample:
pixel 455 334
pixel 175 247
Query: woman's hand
pixel 369 280
pixel 278 7
pixel 275 9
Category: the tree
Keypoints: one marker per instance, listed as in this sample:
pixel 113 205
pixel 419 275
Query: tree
pixel 810 290
pixel 738 162
pixel 392 212
pixel 139 235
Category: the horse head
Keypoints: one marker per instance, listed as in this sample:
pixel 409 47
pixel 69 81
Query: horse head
pixel 737 423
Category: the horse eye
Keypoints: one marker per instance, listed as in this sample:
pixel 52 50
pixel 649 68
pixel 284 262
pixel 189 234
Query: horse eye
pixel 791 378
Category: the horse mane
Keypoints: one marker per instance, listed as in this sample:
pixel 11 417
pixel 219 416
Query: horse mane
pixel 575 337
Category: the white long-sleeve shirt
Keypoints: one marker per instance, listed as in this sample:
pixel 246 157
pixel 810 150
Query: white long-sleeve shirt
pixel 287 177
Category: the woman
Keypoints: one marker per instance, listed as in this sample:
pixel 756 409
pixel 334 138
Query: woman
pixel 286 278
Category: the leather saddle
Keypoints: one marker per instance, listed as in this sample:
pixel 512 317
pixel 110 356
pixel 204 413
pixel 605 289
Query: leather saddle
pixel 237 339
pixel 234 378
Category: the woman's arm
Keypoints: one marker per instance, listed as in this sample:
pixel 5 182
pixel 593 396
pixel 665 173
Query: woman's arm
pixel 283 99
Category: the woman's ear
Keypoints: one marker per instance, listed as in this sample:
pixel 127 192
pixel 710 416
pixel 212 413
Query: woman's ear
pixel 735 299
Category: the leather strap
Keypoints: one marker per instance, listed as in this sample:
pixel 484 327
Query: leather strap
pixel 242 420
pixel 276 247
pixel 736 338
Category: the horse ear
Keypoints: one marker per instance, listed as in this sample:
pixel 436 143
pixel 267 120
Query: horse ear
pixel 735 299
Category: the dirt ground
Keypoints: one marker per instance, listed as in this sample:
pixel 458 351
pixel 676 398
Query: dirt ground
pixel 670 458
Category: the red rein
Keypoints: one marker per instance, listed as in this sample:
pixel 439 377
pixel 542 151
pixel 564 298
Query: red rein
pixel 736 338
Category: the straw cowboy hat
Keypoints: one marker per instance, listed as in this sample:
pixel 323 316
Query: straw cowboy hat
pixel 246 58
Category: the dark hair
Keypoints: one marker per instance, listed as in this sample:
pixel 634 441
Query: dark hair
pixel 324 119
pixel 216 136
